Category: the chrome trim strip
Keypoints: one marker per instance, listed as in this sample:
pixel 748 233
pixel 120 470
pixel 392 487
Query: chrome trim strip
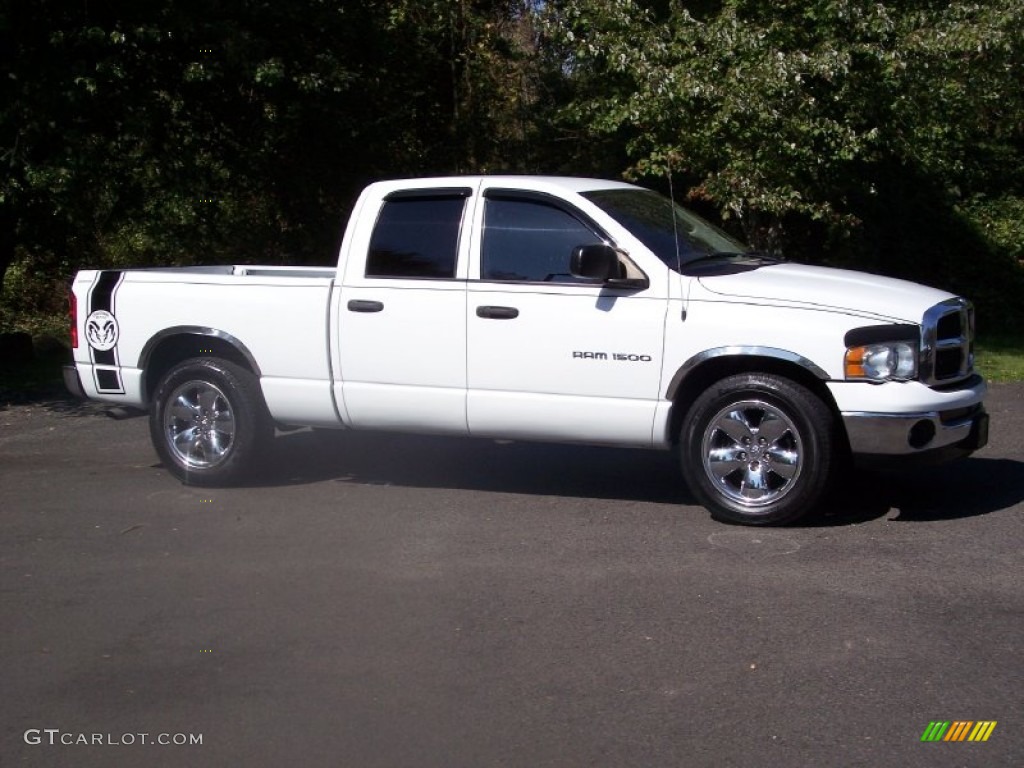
pixel 735 351
pixel 931 345
pixel 196 330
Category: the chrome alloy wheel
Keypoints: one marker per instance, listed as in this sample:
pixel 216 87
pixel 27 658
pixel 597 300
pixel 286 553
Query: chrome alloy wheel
pixel 752 453
pixel 199 426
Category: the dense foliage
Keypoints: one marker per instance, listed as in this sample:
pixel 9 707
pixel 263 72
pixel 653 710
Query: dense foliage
pixel 883 135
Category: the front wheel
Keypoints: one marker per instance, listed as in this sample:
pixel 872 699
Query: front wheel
pixel 758 449
pixel 208 422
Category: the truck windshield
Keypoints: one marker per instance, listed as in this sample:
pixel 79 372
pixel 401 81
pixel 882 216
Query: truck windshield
pixel 648 216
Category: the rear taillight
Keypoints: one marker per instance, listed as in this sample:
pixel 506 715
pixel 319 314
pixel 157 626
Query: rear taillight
pixel 73 312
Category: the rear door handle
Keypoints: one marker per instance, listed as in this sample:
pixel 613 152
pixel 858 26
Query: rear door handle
pixel 359 305
pixel 497 313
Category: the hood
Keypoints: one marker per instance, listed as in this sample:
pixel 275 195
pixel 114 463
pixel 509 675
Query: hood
pixel 857 293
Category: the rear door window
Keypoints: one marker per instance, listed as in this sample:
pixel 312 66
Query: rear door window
pixel 416 236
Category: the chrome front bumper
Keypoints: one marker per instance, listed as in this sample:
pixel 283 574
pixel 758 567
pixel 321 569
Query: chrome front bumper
pixel 904 434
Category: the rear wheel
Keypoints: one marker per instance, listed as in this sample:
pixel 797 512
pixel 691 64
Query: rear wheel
pixel 758 449
pixel 208 422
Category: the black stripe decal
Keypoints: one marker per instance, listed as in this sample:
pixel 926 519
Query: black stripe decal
pixel 103 298
pixel 108 380
pixel 103 292
pixel 106 366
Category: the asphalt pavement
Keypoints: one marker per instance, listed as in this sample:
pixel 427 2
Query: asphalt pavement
pixel 389 600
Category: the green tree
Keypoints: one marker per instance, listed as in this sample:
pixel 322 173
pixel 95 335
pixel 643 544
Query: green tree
pixel 769 107
pixel 143 134
pixel 179 131
pixel 823 117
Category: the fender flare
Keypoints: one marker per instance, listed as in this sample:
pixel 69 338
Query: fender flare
pixel 196 330
pixel 740 351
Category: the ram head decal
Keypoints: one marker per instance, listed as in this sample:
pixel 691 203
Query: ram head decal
pixel 101 330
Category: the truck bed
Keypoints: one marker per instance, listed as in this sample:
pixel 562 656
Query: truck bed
pixel 277 316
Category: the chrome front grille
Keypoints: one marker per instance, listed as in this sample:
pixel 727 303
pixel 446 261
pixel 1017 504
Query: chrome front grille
pixel 947 342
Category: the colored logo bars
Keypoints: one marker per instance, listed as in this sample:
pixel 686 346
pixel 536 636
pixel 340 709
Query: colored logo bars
pixel 958 730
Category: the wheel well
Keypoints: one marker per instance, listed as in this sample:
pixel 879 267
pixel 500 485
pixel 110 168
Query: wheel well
pixel 173 349
pixel 718 368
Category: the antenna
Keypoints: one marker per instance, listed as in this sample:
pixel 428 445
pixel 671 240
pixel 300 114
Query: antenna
pixel 675 222
pixel 675 232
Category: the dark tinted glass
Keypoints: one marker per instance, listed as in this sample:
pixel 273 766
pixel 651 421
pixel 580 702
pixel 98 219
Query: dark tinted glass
pixel 528 240
pixel 418 237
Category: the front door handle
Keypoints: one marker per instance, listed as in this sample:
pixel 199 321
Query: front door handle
pixel 359 305
pixel 497 313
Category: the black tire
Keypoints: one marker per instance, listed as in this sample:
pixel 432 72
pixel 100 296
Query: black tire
pixel 758 449
pixel 208 422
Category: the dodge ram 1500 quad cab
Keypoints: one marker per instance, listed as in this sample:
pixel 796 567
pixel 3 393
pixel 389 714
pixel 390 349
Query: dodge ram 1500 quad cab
pixel 542 308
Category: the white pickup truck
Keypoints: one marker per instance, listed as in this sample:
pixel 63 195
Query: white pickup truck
pixel 542 308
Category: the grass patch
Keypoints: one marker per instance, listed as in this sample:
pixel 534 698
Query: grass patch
pixel 1000 358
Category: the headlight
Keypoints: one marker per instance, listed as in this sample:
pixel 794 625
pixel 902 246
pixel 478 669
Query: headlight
pixel 886 361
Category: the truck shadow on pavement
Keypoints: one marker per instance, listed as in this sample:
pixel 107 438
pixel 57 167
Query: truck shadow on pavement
pixel 966 488
pixel 421 461
pixel 974 486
